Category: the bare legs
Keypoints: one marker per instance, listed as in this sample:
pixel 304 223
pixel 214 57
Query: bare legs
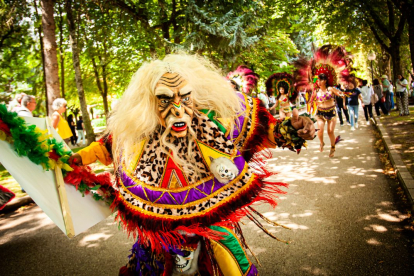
pixel 321 126
pixel 283 115
pixel 330 129
pixel 331 134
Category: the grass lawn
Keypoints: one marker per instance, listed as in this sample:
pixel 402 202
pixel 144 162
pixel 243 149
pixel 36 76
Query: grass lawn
pixel 401 129
pixel 10 183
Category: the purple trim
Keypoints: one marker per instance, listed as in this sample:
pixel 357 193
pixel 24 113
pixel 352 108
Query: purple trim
pixel 252 271
pixel 178 197
pixel 240 122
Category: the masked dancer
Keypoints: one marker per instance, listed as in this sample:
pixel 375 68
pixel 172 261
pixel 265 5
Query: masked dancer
pixel 184 145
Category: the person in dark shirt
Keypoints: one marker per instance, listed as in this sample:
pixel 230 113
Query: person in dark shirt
pixel 80 128
pixel 353 103
pixel 340 106
pixel 72 128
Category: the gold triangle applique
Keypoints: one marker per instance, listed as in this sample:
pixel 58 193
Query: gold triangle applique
pixel 207 152
pixel 174 182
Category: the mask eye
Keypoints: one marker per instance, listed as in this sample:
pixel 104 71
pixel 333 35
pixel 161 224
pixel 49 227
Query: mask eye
pixel 186 99
pixel 186 253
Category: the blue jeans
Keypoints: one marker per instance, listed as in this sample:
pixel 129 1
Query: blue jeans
pixel 353 114
pixel 392 100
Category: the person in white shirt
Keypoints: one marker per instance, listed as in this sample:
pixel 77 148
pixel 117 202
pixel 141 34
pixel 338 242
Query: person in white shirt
pixel 402 95
pixel 265 100
pixel 392 105
pixel 272 102
pixel 366 93
pixel 28 104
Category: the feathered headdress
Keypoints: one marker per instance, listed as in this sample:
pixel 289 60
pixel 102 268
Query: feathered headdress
pixel 245 78
pixel 285 80
pixel 333 61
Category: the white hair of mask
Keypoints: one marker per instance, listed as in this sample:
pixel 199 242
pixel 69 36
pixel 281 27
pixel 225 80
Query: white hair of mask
pixel 136 116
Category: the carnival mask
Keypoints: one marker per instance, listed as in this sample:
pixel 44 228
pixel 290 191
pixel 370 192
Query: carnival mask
pixel 223 169
pixel 175 104
pixel 186 262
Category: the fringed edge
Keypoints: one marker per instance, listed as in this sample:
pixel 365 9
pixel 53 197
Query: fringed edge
pixel 259 132
pixel 159 233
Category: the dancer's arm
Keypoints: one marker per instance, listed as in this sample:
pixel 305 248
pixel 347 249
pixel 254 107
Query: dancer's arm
pixel 291 133
pixel 335 91
pixel 100 150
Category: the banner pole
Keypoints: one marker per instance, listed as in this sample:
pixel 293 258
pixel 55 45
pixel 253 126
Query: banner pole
pixel 60 185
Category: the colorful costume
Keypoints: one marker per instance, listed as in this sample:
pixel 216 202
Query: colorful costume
pixel 273 85
pixel 245 78
pixel 333 61
pixel 176 210
pixel 326 113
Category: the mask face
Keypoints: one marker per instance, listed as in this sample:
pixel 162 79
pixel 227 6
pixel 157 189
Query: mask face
pixel 223 169
pixel 183 263
pixel 175 105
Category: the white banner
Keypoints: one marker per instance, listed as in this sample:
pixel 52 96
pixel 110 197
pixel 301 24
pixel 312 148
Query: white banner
pixel 64 205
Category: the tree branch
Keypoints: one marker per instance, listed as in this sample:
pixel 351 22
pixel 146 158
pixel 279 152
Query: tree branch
pixel 378 38
pixel 377 21
pixel 401 24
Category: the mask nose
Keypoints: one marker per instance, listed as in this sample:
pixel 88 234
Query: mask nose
pixel 177 109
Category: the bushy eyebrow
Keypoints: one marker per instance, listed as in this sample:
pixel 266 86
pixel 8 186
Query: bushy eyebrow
pixel 185 90
pixel 164 92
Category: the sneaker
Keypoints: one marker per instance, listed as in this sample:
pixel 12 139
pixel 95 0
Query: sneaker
pixel 348 123
pixel 368 123
pixel 352 128
pixel 342 124
pixel 356 125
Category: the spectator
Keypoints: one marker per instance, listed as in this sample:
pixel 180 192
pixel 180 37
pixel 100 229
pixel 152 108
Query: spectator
pixel 379 104
pixel 272 102
pixel 367 93
pixel 16 102
pixel 58 122
pixel 72 126
pixel 402 96
pixel 386 92
pixel 392 104
pixel 340 107
pixel 28 104
pixel 263 97
pixel 80 128
pixel 353 104
pixel 412 88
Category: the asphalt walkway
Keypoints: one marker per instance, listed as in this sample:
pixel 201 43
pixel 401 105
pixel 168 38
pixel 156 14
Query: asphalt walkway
pixel 344 214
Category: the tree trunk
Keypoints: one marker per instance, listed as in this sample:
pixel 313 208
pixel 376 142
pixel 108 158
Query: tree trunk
pixel 411 37
pixel 61 53
pixel 384 64
pixel 104 91
pixel 396 59
pixel 78 76
pixel 49 43
pixel 39 30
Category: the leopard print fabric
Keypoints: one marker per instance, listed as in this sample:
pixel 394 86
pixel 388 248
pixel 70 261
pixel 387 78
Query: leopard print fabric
pixel 150 167
pixel 182 210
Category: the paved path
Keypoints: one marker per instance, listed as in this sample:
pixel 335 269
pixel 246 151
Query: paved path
pixel 342 211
